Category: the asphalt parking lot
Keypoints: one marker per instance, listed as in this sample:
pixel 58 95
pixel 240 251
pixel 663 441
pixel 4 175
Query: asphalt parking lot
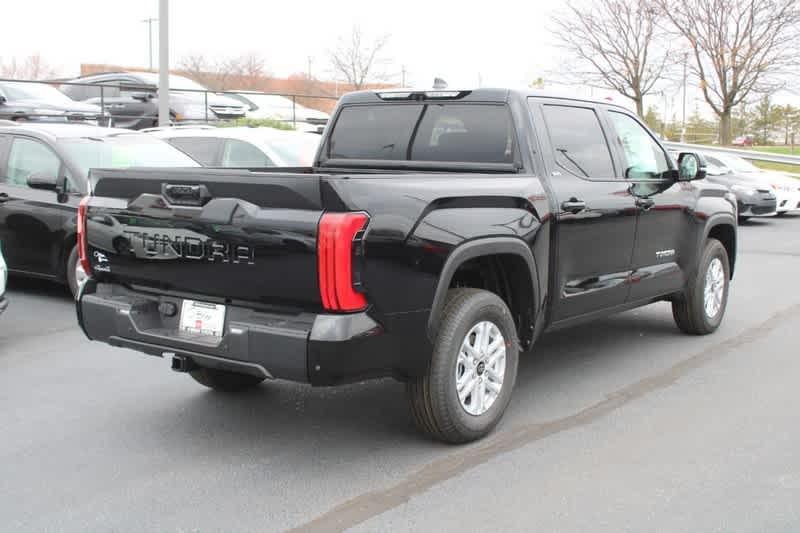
pixel 621 425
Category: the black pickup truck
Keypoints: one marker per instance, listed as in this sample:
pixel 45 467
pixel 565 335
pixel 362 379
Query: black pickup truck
pixel 437 236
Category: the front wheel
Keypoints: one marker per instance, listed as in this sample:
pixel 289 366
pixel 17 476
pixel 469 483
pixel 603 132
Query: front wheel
pixel 472 371
pixel 700 309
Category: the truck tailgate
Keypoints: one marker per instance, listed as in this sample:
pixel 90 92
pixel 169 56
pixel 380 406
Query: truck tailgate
pixel 233 235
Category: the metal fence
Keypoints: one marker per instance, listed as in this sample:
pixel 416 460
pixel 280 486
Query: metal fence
pixel 109 104
pixel 753 155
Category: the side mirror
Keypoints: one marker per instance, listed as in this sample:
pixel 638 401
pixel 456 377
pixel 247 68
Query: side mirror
pixel 3 99
pixel 691 166
pixel 142 97
pixel 42 181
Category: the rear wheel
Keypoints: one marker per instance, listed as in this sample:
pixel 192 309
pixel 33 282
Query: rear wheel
pixel 781 213
pixel 74 272
pixel 223 380
pixel 472 371
pixel 700 309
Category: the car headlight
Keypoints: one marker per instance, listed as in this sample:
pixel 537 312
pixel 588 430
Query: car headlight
pixel 747 191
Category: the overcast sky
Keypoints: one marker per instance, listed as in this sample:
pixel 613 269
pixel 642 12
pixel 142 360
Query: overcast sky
pixel 501 44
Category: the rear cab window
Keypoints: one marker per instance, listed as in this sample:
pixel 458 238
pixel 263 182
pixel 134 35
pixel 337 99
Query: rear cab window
pixel 424 132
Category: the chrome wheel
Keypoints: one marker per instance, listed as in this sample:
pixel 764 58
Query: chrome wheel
pixel 80 275
pixel 480 367
pixel 714 289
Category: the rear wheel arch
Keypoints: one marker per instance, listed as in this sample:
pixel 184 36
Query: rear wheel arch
pixel 502 265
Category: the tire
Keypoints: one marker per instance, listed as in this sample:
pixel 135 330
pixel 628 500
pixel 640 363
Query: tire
pixel 689 310
pixel 222 380
pixel 434 400
pixel 781 213
pixel 71 273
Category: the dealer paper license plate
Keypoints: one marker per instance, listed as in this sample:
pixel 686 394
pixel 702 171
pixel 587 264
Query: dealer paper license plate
pixel 200 318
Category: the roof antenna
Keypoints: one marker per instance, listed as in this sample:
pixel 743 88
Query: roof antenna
pixel 439 83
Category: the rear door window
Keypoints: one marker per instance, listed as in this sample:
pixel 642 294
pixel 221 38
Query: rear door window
pixel 579 144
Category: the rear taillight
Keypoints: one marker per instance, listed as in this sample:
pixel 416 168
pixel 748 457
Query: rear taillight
pixel 336 241
pixel 83 252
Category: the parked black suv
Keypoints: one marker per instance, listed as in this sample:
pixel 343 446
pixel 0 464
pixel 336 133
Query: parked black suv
pixel 437 236
pixel 131 99
pixel 43 176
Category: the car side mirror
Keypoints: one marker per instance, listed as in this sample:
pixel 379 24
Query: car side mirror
pixel 38 180
pixel 691 166
pixel 2 99
pixel 142 97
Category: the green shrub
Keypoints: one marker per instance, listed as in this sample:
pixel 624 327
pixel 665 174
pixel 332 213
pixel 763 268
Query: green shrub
pixel 257 123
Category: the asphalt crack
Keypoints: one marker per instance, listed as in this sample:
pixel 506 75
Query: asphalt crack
pixel 371 504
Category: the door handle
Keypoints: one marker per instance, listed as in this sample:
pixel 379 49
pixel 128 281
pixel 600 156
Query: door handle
pixel 644 203
pixel 573 205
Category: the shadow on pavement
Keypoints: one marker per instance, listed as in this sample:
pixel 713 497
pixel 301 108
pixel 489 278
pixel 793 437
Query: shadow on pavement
pixel 349 421
pixel 38 287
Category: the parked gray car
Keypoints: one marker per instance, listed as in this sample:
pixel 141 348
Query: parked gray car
pixel 39 102
pixel 131 99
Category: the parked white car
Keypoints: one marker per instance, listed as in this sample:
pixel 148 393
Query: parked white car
pixel 273 106
pixel 243 147
pixel 3 280
pixel 787 190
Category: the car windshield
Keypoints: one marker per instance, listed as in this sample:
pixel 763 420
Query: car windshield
pixel 175 82
pixel 123 151
pixel 738 164
pixel 296 150
pixel 33 91
pixel 715 167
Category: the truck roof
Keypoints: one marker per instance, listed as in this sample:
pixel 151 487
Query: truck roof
pixel 476 94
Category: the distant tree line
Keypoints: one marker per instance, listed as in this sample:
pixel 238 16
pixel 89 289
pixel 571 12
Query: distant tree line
pixel 733 49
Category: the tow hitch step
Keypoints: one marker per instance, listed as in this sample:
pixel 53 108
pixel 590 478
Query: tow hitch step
pixel 181 363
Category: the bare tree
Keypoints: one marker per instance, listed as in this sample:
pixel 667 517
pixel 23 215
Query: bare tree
pixel 245 71
pixel 356 57
pixel 32 67
pixel 738 47
pixel 614 44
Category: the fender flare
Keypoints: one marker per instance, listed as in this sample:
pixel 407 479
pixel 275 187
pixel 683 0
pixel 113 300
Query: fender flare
pixel 723 219
pixel 469 250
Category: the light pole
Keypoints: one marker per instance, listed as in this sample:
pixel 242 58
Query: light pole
pixel 163 63
pixel 683 126
pixel 150 22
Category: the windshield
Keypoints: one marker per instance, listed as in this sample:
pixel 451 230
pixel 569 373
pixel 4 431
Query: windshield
pixel 737 164
pixel 33 91
pixel 123 151
pixel 296 150
pixel 715 167
pixel 175 82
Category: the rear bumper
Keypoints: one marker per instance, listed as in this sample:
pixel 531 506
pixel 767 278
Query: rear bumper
pixel 321 349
